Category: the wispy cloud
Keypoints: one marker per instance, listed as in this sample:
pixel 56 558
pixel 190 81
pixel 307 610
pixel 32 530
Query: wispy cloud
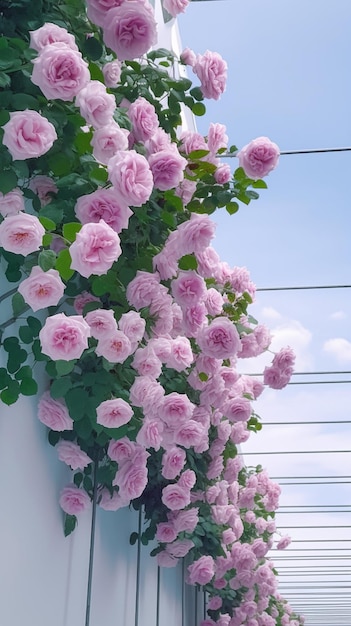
pixel 340 348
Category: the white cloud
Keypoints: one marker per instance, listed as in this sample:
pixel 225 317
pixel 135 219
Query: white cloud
pixel 339 348
pixel 338 315
pixel 269 313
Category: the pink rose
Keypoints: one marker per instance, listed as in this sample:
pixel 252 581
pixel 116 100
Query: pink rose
pixel 283 542
pixel 237 409
pixel 181 355
pixel 60 72
pixel 54 413
pixel 195 234
pixel 130 174
pixel 112 73
pixel 217 138
pixel 165 532
pixel 180 548
pixel 201 571
pixel 12 202
pixel 115 347
pixel 147 363
pixel 133 325
pixel 28 134
pixel 122 449
pixel 71 454
pixel 130 29
pixel 50 33
pixel 142 289
pixel 114 413
pixel 21 233
pixel 74 500
pixel 175 497
pixel 223 174
pixel 186 520
pixel 131 477
pixel 112 503
pixel 220 339
pixel 189 435
pixel 64 337
pixel 284 359
pixel 187 479
pixel 143 117
pixel 185 190
pixel 188 57
pixel 102 323
pixel 97 9
pixel 167 167
pixel 159 140
pixel 211 70
pixel 42 289
pixel 174 7
pixel 103 204
pixel 43 186
pixel 95 104
pixel 150 433
pixel 82 299
pixel 189 288
pixel 175 409
pixel 191 141
pixel 214 301
pixel 108 140
pixel 173 462
pixel 259 157
pixel 164 559
pixel 276 378
pixel 96 248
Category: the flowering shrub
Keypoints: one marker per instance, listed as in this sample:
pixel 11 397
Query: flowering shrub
pixel 105 230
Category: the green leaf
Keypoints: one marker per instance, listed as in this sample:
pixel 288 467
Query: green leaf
pixel 198 109
pixel 69 524
pixel 10 396
pixel 77 401
pixel 25 334
pixel 70 230
pixel 24 372
pixel 5 80
pixel 64 367
pixel 23 101
pixel 92 48
pixel 8 180
pixel 98 175
pixel 18 304
pixel 63 264
pixel 259 184
pixel 34 324
pixel 60 386
pixel 198 154
pixel 203 376
pixel 96 73
pixel 232 208
pixel 47 260
pixel 60 164
pixel 5 378
pixel 196 93
pixel 28 387
pixel 133 538
pixel 188 262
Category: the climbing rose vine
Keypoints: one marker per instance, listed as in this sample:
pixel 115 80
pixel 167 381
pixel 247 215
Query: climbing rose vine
pixel 105 232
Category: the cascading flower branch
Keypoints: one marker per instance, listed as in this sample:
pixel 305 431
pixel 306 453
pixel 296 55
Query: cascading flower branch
pixel 105 230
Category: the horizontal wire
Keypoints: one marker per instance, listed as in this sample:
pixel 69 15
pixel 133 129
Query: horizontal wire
pixel 306 423
pixel 321 482
pixel 315 373
pixel 310 506
pixel 319 512
pixel 303 288
pixel 320 540
pixel 300 452
pixel 315 527
pixel 321 382
pixel 231 155
pixel 307 477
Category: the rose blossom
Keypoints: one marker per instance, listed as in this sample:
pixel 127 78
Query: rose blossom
pixel 50 33
pixel 180 548
pixel 12 202
pixel 112 73
pixel 185 190
pixel 159 140
pixel 54 413
pixel 64 337
pixel 173 462
pixel 211 69
pixel 95 104
pixel 175 497
pixel 142 289
pixel 175 409
pixel 174 7
pixel 28 134
pixel 133 325
pixel 283 542
pixel 164 559
pixel 130 174
pixel 114 413
pixel 188 57
pixel 275 378
pixel 189 288
pixel 223 174
pixel 201 571
pixel 181 355
pixel 143 117
pixel 115 347
pixel 131 476
pixel 111 503
pixel 217 138
pixel 103 204
pixel 237 409
pixel 195 234
pixel 220 339
pixel 82 299
pixel 71 454
pixel 108 140
pixel 42 289
pixel 21 233
pixel 43 186
pixel 73 500
pixel 130 29
pixel 165 532
pixel 185 520
pixel 150 434
pixel 96 248
pixel 97 9
pixel 259 157
pixel 167 167
pixel 60 72
pixel 121 449
pixel 102 323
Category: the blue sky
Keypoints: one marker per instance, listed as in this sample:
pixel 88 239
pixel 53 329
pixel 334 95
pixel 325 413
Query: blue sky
pixel 289 79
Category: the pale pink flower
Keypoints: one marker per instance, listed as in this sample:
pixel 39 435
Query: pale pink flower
pixel 195 234
pixel 12 202
pixel 181 355
pixel 133 325
pixel 108 140
pixel 191 141
pixel 112 502
pixel 214 301
pixel 214 603
pixel 115 347
pixel 130 174
pixel 188 57
pixel 112 73
pixel 175 497
pixel 122 449
pixel 96 248
pixel 220 339
pixel 102 322
pixel 175 409
pixel 144 389
pixel 147 363
pixel 174 7
pixel 82 299
pixel 54 413
pixel 201 571
pixel 43 186
pixel 275 378
pixel 187 479
pixel 103 204
pixel 50 33
pixel 194 318
pixel 95 104
pixel 73 500
pixel 150 433
pixel 158 141
pixel 42 289
pixel 21 233
pixel 64 337
pixel 60 72
pixel 142 289
pixel 97 9
pixel 70 453
pixel 164 559
pixel 189 288
pixel 28 135
pixel 259 157
pixel 223 174
pixel 165 532
pixel 143 117
pixel 131 477
pixel 284 359
pixel 283 542
pixel 211 70
pixel 237 409
pixel 180 547
pixel 173 462
pixel 130 29
pixel 217 138
pixel 114 413
pixel 189 434
pixel 185 190
pixel 167 167
pixel 185 520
